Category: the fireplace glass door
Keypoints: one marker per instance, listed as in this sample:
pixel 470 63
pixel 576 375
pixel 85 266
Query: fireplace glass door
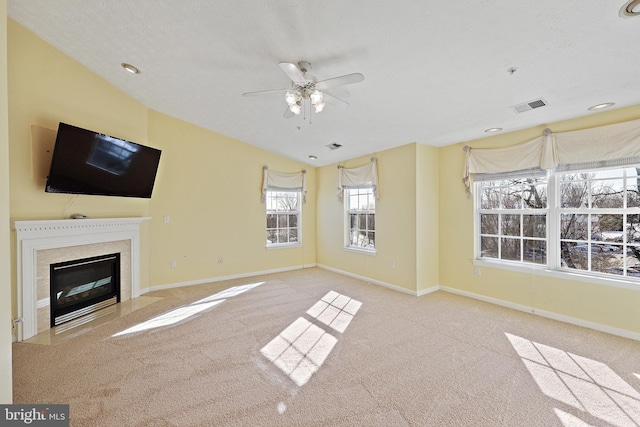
pixel 81 286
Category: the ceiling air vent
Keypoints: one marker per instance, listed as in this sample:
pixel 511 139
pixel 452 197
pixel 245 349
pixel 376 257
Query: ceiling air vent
pixel 333 146
pixel 531 105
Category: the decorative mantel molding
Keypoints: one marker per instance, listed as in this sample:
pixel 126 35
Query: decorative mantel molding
pixel 38 235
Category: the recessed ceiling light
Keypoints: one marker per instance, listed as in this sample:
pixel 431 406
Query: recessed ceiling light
pixel 130 68
pixel 312 157
pixel 630 9
pixel 603 105
pixel 492 130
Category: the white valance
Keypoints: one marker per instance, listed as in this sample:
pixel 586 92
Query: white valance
pixel 361 177
pixel 272 180
pixel 605 143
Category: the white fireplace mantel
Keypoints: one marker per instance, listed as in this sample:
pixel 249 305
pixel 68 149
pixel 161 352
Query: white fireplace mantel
pixel 34 236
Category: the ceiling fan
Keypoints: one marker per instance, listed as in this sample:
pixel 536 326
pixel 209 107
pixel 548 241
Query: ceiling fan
pixel 305 87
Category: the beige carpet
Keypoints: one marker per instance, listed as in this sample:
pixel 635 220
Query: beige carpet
pixel 313 348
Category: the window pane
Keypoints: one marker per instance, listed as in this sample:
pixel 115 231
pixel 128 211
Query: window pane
pixel 573 192
pixel 353 221
pixel 489 224
pixel 510 225
pixel 607 193
pixel 512 197
pixel 633 261
pixel 609 228
pixel 489 247
pixel 607 259
pixel 633 192
pixel 282 220
pixel 283 236
pixel 534 196
pixel 272 236
pixel 534 225
pixel 293 220
pixel 272 221
pixel 510 249
pixel 490 196
pixel 574 226
pixel 535 251
pixel 574 255
pixel 293 235
pixel 371 222
pixel 633 229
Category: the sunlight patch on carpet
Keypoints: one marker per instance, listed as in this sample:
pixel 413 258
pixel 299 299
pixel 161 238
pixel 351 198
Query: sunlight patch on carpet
pixel 182 313
pixel 301 349
pixel 585 384
pixel 569 420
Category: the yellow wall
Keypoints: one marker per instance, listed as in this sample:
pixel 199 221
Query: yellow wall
pixel 210 187
pixel 395 221
pixel 427 217
pixel 601 304
pixel 5 257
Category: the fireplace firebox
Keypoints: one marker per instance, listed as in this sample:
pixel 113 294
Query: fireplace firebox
pixel 82 286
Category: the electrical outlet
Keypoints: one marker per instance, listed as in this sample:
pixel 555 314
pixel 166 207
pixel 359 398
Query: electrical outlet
pixel 477 271
pixel 219 259
pixel 167 219
pixel 393 265
pixel 173 264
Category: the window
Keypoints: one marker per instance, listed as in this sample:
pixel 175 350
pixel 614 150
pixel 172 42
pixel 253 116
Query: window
pixel 600 221
pixel 283 218
pixel 360 218
pixel 589 223
pixel 513 219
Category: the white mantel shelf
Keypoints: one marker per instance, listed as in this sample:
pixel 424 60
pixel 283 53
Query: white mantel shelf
pixel 37 235
pixel 74 227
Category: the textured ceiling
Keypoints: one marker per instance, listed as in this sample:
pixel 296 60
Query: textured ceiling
pixel 435 71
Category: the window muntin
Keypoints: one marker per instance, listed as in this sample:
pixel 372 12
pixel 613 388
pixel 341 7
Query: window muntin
pixel 590 225
pixel 283 218
pixel 360 219
pixel 600 222
pixel 513 219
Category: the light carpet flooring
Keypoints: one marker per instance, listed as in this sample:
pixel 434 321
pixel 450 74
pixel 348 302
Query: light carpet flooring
pixel 315 348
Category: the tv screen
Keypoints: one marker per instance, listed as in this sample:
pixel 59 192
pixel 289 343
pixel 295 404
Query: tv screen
pixel 87 162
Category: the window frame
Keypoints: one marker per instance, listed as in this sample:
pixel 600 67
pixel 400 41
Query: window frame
pixel 553 266
pixel 270 198
pixel 349 211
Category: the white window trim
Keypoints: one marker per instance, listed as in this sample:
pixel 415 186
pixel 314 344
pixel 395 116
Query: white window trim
pixel 299 227
pixel 347 234
pixel 552 268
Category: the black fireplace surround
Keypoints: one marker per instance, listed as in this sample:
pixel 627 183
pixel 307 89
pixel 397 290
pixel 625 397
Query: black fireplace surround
pixel 82 286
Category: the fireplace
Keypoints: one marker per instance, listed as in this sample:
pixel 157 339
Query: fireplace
pixel 82 286
pixel 41 243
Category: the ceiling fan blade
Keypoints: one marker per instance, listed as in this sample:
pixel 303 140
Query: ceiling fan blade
pixel 334 100
pixel 292 71
pixel 264 92
pixel 340 81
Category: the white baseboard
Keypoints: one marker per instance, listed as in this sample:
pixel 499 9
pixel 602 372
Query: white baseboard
pixel 548 314
pixel 369 280
pixel 222 278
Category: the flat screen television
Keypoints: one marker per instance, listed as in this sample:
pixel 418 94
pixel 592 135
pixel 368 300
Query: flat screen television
pixel 87 162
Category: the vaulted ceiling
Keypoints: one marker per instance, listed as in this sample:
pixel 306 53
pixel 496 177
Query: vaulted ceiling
pixel 436 72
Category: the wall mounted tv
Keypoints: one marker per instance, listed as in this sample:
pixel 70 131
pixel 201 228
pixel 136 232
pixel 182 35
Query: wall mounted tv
pixel 87 162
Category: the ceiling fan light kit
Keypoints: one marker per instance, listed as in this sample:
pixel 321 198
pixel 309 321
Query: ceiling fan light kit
pixel 306 87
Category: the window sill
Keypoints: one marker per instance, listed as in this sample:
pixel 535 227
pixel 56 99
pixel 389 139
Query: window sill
pixel 559 274
pixel 284 246
pixel 361 251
